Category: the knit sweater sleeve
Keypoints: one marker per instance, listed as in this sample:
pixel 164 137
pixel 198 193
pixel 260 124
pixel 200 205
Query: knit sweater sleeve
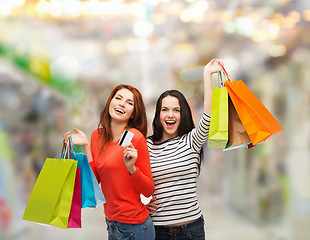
pixel 142 178
pixel 93 148
pixel 199 135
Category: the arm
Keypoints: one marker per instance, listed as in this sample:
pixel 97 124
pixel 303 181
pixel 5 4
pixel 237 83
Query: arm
pixel 209 69
pixel 138 164
pixel 200 134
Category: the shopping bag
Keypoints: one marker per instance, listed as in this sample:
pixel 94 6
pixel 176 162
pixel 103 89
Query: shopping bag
pixel 218 132
pixel 100 199
pixel 258 122
pixel 238 137
pixel 92 195
pixel 75 212
pixel 88 197
pixel 51 197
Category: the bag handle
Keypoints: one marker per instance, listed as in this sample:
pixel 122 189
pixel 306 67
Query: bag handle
pixel 220 82
pixel 61 150
pixel 225 72
pixel 65 152
pixel 72 151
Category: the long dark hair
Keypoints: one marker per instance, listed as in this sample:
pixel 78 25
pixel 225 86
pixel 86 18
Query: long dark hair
pixel 138 120
pixel 186 123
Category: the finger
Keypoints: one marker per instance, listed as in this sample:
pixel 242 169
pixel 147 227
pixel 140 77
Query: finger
pixel 219 61
pixel 130 145
pixel 125 152
pixel 153 210
pixel 128 156
pixel 130 151
pixel 153 199
pixel 66 136
pixel 76 130
pixel 152 205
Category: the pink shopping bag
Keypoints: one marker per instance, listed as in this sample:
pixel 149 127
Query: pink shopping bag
pixel 75 212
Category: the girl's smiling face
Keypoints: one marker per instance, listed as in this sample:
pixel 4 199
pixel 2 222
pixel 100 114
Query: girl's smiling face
pixel 122 106
pixel 170 117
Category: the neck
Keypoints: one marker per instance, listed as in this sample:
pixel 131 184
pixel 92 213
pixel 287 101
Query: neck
pixel 166 137
pixel 117 130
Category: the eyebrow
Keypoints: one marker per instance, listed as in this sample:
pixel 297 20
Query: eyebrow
pixel 172 108
pixel 119 95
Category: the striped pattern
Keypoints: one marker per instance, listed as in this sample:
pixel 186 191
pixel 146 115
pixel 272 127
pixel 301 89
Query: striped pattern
pixel 175 168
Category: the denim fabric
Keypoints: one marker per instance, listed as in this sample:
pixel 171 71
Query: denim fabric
pixel 124 231
pixel 194 230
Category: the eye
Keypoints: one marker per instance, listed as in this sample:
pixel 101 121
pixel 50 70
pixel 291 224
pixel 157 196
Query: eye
pixel 118 98
pixel 130 103
pixel 177 110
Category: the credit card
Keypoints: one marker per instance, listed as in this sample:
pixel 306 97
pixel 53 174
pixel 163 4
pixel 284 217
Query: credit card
pixel 126 138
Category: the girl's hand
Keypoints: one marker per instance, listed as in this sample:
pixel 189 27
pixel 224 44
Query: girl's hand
pixel 212 67
pixel 78 138
pixel 130 156
pixel 151 206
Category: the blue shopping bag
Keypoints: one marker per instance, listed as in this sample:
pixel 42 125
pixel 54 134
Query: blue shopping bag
pixel 100 199
pixel 92 195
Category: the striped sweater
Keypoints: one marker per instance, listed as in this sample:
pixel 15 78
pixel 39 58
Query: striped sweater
pixel 174 164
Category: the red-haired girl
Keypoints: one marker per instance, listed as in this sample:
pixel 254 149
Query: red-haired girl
pixel 124 173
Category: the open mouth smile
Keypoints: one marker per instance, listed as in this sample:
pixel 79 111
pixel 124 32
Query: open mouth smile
pixel 170 123
pixel 121 111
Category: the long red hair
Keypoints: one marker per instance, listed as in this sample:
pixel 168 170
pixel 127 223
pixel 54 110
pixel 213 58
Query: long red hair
pixel 137 121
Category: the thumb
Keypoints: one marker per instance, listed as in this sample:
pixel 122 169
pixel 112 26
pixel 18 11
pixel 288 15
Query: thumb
pixel 76 130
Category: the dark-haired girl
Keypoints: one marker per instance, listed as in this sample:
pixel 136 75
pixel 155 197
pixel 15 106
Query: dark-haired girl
pixel 124 173
pixel 175 152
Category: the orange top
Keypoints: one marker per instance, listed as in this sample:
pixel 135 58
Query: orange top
pixel 121 190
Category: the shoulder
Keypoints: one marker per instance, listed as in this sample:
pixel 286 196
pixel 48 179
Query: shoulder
pixel 149 140
pixel 137 133
pixel 95 134
pixel 138 136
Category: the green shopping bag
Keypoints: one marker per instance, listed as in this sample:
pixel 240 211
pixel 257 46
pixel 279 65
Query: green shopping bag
pixel 51 197
pixel 218 132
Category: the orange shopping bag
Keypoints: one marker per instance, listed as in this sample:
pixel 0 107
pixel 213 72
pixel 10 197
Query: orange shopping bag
pixel 258 122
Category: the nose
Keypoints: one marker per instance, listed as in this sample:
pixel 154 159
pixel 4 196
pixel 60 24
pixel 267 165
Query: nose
pixel 170 114
pixel 122 103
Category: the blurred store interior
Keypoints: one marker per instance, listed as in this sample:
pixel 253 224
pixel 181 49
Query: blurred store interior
pixel 59 60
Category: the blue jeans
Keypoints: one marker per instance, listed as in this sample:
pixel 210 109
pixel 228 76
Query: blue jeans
pixel 125 231
pixel 194 230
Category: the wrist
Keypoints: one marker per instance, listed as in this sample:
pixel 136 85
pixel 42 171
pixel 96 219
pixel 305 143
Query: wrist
pixel 86 144
pixel 132 170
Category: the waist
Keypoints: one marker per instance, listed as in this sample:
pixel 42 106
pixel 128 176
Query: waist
pixel 177 227
pixel 126 213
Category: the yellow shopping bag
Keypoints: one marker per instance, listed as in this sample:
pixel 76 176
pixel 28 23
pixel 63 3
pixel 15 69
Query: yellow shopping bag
pixel 51 197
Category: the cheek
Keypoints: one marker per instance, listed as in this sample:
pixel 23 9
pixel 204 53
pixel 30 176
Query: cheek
pixel 178 118
pixel 131 110
pixel 110 110
pixel 162 117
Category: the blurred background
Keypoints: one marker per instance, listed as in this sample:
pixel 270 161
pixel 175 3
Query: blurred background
pixel 59 60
